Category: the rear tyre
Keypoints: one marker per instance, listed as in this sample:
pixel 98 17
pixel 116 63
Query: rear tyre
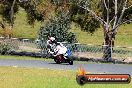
pixel 70 62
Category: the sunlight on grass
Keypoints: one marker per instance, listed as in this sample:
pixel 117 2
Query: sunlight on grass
pixel 22 29
pixel 123 37
pixel 20 57
pixel 45 78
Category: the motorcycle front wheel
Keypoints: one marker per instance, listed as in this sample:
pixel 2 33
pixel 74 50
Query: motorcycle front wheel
pixel 57 61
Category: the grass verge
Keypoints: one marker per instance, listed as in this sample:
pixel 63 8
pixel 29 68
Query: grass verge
pixel 45 78
pixel 21 57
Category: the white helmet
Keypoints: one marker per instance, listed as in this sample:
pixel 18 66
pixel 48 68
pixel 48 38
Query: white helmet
pixel 52 39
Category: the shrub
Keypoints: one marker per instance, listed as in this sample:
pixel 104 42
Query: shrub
pixel 7 46
pixel 57 27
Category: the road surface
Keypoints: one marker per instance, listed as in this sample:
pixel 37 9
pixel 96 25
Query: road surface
pixel 89 67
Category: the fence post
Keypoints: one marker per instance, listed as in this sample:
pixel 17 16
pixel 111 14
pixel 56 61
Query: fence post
pixel 107 52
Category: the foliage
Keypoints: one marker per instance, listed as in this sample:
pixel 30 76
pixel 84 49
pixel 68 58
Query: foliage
pixel 86 22
pixel 124 37
pixel 79 15
pixel 6 32
pixel 127 15
pixel 6 46
pixel 4 49
pixel 113 14
pixel 82 17
pixel 29 6
pixel 41 9
pixel 33 14
pixel 58 27
pixel 5 9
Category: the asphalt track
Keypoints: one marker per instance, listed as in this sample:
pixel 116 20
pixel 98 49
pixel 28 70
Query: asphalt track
pixel 89 67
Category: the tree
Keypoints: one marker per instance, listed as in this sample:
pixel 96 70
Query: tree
pixel 58 27
pixel 113 13
pixel 7 10
pixel 82 17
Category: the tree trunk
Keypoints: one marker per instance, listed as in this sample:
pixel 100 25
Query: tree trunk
pixel 12 14
pixel 108 45
pixel 11 18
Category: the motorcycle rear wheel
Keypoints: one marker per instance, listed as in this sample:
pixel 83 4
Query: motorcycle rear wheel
pixel 70 62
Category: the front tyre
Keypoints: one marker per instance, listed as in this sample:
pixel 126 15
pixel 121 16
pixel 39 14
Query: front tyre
pixel 57 61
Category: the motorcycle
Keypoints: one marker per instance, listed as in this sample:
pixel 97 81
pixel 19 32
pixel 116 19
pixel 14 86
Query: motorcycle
pixel 63 58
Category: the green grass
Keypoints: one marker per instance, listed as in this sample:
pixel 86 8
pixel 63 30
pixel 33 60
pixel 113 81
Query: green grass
pixel 123 38
pixel 22 29
pixel 21 57
pixel 45 78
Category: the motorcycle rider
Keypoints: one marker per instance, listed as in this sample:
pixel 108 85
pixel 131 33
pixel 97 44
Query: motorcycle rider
pixel 56 48
pixel 60 49
pixel 59 53
pixel 51 44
